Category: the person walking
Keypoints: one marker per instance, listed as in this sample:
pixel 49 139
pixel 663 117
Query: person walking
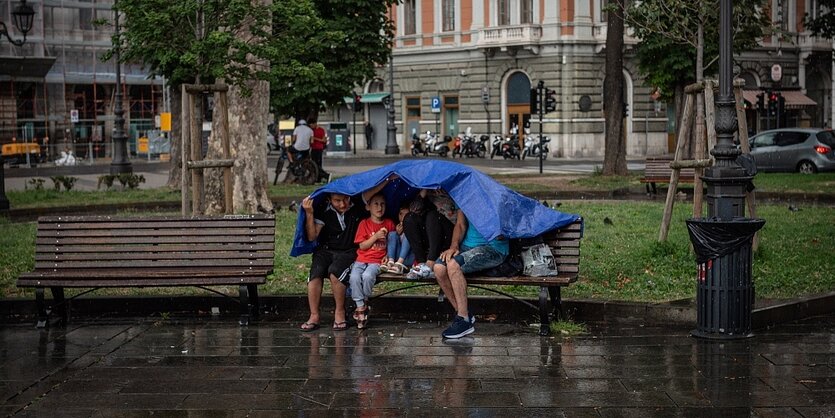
pixel 318 142
pixel 369 135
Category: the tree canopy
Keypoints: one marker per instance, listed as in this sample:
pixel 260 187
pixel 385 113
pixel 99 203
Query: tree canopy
pixel 669 32
pixel 824 24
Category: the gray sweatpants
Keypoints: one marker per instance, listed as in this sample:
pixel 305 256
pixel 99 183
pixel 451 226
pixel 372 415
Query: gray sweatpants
pixel 363 277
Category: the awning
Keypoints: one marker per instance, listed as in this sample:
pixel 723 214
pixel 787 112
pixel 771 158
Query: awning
pixel 25 66
pixel 794 98
pixel 368 98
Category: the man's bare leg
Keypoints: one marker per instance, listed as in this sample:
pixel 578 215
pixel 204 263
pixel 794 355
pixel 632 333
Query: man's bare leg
pixel 459 287
pixel 338 299
pixel 442 277
pixel 314 296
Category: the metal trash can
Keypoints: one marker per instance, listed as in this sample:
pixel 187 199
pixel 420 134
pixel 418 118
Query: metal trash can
pixel 339 137
pixel 725 288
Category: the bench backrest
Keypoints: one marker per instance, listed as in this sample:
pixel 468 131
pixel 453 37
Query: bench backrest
pixel 107 244
pixel 565 246
pixel 659 167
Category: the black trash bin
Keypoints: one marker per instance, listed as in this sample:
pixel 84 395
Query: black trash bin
pixel 339 137
pixel 725 289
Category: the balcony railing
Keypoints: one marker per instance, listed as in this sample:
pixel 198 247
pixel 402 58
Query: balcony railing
pixel 510 35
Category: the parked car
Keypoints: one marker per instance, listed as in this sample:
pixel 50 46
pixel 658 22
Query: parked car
pixel 806 150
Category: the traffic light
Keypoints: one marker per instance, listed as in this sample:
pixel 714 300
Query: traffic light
pixel 550 100
pixel 760 102
pixel 357 102
pixel 772 101
pixel 534 101
pixel 625 109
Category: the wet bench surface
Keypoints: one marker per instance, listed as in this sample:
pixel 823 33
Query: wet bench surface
pixel 565 246
pixel 106 251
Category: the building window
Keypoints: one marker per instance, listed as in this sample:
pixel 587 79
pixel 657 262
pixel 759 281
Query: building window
pixel 448 10
pixel 413 115
pixel 450 116
pixel 504 12
pixel 409 17
pixel 525 11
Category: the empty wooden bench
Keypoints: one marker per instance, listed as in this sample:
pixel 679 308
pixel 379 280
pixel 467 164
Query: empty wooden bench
pixel 658 171
pixel 565 246
pixel 107 251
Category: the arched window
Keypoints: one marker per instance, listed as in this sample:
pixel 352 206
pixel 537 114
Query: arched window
pixel 518 89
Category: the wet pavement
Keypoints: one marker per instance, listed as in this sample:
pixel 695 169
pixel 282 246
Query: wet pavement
pixel 213 367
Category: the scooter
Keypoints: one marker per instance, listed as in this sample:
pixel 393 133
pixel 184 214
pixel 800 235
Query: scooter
pixel 532 147
pixel 432 145
pixel 67 158
pixel 417 144
pixel 458 146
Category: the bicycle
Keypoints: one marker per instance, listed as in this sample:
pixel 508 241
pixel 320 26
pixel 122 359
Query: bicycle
pixel 304 169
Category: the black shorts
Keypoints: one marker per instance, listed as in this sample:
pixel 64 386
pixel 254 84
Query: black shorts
pixel 332 262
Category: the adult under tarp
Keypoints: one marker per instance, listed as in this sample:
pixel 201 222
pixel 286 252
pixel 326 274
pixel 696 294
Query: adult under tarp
pixel 492 208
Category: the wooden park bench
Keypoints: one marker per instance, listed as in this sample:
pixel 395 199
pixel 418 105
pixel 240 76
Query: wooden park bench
pixel 658 171
pixel 105 251
pixel 565 246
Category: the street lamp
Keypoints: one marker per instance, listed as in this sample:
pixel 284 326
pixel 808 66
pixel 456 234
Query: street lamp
pixel 722 241
pixel 120 163
pixel 23 15
pixel 391 130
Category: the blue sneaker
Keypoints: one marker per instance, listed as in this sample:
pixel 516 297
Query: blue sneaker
pixel 460 327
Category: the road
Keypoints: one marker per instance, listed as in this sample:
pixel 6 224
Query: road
pixel 156 173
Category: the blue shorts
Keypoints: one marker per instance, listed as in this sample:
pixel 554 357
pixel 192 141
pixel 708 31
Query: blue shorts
pixel 476 259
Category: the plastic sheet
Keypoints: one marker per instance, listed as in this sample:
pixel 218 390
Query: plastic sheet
pixel 713 238
pixel 491 207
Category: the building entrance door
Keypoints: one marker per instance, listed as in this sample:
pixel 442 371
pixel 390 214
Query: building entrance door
pixel 519 117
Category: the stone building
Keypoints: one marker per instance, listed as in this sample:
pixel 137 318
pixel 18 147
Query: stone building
pixel 479 58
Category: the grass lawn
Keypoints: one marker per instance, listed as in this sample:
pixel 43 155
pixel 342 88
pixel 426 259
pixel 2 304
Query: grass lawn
pixel 621 261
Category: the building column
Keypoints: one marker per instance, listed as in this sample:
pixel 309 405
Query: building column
pixel 582 19
pixel 551 20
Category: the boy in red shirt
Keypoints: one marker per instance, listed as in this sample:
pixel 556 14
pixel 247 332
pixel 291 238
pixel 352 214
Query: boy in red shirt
pixel 371 237
pixel 317 148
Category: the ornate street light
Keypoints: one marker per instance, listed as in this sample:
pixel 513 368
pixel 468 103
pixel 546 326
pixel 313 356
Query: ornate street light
pixel 120 163
pixel 23 15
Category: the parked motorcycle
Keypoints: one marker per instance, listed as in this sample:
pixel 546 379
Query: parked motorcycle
pixel 457 147
pixel 471 147
pixel 532 147
pixel 434 145
pixel 417 144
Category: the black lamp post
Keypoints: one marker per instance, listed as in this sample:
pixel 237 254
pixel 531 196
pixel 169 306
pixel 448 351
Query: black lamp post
pixel 120 163
pixel 23 15
pixel 391 130
pixel 725 291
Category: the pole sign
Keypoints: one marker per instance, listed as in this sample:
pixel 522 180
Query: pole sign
pixel 436 104
pixel 74 115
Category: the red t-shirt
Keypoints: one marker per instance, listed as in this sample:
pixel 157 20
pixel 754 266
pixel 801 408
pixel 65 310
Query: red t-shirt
pixel 319 132
pixel 365 230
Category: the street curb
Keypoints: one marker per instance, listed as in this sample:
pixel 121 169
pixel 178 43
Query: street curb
pixel 422 308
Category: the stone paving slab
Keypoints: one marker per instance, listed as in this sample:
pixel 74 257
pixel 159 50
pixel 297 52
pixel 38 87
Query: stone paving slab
pixel 213 367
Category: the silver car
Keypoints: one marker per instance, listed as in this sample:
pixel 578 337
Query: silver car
pixel 806 150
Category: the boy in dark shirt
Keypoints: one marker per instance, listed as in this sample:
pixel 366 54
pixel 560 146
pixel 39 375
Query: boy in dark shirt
pixel 334 226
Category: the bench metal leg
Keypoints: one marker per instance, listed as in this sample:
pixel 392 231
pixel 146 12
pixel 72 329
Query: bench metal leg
pixel 556 301
pixel 60 304
pixel 544 311
pixel 255 303
pixel 43 318
pixel 246 308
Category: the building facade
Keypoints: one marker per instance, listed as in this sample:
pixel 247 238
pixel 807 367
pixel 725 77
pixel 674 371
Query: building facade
pixel 478 59
pixel 57 86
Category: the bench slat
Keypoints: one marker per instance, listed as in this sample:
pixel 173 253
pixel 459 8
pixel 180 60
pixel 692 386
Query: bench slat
pixel 85 219
pixel 178 255
pixel 65 249
pixel 150 232
pixel 560 280
pixel 210 239
pixel 93 275
pixel 144 264
pixel 173 281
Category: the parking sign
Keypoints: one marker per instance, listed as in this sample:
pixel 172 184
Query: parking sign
pixel 436 104
pixel 74 115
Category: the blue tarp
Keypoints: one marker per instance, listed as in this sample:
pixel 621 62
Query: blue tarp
pixel 492 208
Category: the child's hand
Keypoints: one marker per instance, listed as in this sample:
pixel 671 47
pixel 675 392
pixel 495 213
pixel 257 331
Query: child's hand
pixel 381 233
pixel 399 228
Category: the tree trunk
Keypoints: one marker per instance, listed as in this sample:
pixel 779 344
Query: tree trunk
pixel 248 119
pixel 176 163
pixel 614 159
